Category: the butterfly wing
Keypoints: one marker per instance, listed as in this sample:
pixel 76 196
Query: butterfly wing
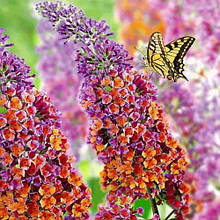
pixel 175 52
pixel 156 54
pixel 168 60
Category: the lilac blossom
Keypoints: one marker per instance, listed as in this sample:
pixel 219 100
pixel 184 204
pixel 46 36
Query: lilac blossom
pixel 37 177
pixel 61 82
pixel 127 125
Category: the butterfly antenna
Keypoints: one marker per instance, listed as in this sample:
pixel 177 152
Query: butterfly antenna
pixel 141 52
pixel 151 74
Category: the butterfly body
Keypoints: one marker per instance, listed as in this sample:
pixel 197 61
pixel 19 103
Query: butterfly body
pixel 168 60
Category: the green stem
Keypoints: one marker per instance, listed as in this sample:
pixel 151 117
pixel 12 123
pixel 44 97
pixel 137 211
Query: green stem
pixel 153 203
pixel 169 215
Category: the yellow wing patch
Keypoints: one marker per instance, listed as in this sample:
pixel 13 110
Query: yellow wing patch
pixel 168 60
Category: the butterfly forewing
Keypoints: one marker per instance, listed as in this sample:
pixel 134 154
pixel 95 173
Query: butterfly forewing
pixel 156 54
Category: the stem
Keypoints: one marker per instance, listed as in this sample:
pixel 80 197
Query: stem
pixel 169 215
pixel 153 203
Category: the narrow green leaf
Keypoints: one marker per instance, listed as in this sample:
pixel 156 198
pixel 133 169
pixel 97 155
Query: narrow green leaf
pixel 145 204
pixel 97 193
pixel 3 110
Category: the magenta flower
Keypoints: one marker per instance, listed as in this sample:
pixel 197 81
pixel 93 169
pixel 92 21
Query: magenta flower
pixel 128 129
pixel 61 82
pixel 37 178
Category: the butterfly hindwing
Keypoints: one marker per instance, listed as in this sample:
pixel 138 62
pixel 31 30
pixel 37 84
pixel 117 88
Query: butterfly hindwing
pixel 176 50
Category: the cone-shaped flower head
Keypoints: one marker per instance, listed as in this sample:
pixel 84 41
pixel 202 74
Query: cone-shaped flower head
pixel 37 178
pixel 128 128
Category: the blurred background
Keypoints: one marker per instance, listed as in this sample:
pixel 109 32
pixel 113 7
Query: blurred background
pixel 193 108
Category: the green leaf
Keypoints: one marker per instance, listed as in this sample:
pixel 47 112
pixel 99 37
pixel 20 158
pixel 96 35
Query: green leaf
pixel 84 166
pixel 97 193
pixel 3 110
pixel 146 205
pixel 108 88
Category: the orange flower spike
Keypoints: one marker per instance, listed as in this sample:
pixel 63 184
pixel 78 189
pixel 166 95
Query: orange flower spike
pixel 8 134
pixel 112 174
pixel 138 169
pixel 182 163
pixel 114 108
pixel 114 129
pixel 17 172
pixel 121 120
pixel 15 126
pixel 7 159
pixel 4 214
pixel 129 155
pixel 7 199
pixel 171 142
pixel 128 167
pixel 21 206
pixel 99 147
pixel 64 172
pixel 3 122
pixel 113 186
pixel 123 139
pixel 174 168
pixel 47 189
pixel 2 151
pixel 55 142
pixel 46 215
pixel 33 209
pixel 114 93
pixel 67 197
pixel 106 81
pixel 99 92
pixel 74 179
pixel 140 183
pixel 47 202
pixel 148 153
pixel 93 139
pixel 150 163
pixel 3 100
pixel 153 111
pixel 24 190
pixel 15 103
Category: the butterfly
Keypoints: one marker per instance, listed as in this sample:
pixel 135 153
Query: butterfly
pixel 167 60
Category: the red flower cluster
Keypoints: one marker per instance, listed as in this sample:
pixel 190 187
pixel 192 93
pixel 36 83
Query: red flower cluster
pixel 130 134
pixel 37 179
pixel 128 129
